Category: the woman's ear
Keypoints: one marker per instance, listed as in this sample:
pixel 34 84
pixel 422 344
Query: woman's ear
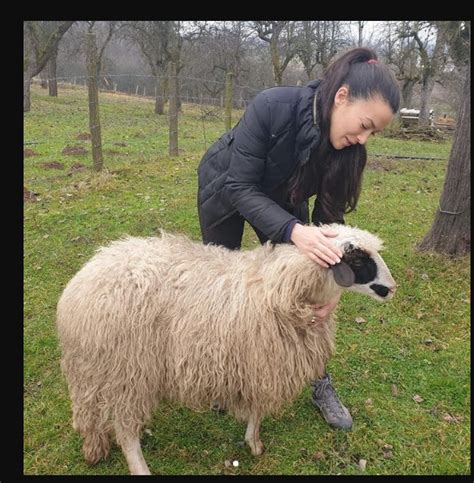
pixel 341 96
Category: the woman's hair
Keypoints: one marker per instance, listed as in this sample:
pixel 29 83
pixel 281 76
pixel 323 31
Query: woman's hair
pixel 336 175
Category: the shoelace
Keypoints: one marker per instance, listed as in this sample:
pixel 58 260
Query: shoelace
pixel 326 392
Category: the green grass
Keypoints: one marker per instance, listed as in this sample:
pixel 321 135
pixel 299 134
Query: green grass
pixel 142 190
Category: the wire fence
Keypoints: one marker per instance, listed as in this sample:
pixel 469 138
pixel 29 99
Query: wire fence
pixel 128 118
pixel 138 108
pixel 145 86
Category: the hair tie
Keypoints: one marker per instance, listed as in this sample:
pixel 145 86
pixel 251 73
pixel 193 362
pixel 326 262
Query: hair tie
pixel 372 61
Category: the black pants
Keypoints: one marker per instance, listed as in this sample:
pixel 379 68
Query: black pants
pixel 228 233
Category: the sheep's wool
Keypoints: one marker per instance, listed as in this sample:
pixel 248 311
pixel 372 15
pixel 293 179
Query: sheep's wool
pixel 156 318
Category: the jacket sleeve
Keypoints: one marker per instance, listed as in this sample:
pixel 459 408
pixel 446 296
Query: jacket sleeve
pixel 247 168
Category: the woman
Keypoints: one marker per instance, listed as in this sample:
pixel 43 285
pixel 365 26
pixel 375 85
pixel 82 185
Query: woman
pixel 292 143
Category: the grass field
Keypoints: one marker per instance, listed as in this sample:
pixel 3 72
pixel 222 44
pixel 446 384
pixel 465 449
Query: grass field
pixel 404 371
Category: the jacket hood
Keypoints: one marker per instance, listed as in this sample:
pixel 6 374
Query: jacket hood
pixel 308 132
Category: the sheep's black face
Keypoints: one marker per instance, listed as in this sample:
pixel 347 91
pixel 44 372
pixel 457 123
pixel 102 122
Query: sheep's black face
pixel 360 262
pixel 366 273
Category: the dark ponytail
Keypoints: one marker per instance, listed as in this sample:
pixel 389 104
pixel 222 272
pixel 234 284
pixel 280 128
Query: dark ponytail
pixel 336 175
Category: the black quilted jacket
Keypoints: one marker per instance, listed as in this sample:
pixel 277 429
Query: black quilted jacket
pixel 242 171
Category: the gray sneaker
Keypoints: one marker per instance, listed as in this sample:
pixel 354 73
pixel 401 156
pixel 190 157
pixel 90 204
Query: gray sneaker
pixel 324 397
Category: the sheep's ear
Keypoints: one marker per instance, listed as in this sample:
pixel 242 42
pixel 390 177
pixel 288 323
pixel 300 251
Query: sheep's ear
pixel 343 274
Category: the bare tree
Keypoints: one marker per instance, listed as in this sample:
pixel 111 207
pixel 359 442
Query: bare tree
pixel 281 37
pixel 432 60
pixel 49 72
pixel 401 52
pixel 94 58
pixel 153 37
pixel 225 44
pixel 318 42
pixel 39 46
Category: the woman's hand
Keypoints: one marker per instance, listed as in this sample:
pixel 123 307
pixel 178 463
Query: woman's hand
pixel 314 242
pixel 321 312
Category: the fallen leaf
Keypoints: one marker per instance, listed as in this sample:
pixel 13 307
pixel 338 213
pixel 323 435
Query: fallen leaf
pixel 417 398
pixel 360 320
pixel 410 273
pixel 362 464
pixel 394 389
pixel 387 454
pixel 319 455
pixel 452 419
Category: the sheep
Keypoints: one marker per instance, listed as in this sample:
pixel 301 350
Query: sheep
pixel 167 318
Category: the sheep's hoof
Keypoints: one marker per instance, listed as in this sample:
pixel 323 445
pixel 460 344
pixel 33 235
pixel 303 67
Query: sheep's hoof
pixel 256 448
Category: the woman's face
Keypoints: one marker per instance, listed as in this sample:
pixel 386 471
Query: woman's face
pixel 353 121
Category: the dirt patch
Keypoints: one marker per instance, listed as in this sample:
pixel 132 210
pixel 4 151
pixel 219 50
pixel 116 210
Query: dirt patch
pixel 84 136
pixel 379 165
pixel 52 165
pixel 418 133
pixel 75 168
pixel 111 151
pixel 27 153
pixel 74 150
pixel 29 196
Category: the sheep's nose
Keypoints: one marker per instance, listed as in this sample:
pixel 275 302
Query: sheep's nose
pixel 383 290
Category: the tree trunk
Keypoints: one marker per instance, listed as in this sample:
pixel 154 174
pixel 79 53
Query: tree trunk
pixel 277 73
pixel 451 230
pixel 44 79
pixel 93 93
pixel 178 95
pixel 361 28
pixel 430 71
pixel 425 99
pixel 173 112
pixel 28 66
pixel 407 93
pixel 52 80
pixel 228 100
pixel 26 90
pixel 159 101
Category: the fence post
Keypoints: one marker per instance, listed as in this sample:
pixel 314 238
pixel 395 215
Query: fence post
pixel 173 111
pixel 93 94
pixel 228 100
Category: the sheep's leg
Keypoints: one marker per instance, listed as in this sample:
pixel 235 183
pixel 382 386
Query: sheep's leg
pixel 133 453
pixel 252 435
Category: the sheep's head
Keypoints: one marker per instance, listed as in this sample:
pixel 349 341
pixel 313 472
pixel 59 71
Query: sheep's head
pixel 362 269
